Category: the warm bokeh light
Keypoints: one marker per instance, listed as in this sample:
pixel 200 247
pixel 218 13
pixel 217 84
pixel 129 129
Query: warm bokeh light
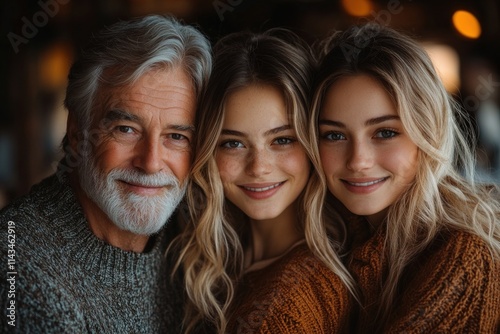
pixel 54 64
pixel 466 24
pixel 357 7
pixel 447 63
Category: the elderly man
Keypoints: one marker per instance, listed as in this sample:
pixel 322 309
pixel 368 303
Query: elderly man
pixel 85 250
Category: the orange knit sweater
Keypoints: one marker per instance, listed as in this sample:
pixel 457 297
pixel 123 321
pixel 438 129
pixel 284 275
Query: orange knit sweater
pixel 452 287
pixel 295 294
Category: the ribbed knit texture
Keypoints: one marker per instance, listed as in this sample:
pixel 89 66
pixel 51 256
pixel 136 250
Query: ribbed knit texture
pixel 295 294
pixel 452 287
pixel 69 281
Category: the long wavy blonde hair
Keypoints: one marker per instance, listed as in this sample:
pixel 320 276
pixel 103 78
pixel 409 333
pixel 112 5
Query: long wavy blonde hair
pixel 212 243
pixel 444 194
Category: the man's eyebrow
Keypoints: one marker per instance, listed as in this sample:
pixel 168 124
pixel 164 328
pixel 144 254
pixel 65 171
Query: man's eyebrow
pixel 182 127
pixel 117 114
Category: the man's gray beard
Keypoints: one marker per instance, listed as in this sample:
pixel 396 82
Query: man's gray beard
pixel 142 215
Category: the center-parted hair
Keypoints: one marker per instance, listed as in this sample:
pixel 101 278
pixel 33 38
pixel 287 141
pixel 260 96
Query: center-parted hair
pixel 212 255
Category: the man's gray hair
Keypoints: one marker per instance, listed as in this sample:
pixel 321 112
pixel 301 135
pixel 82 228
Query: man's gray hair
pixel 130 49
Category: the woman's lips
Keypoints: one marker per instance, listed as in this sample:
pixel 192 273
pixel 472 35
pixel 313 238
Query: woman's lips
pixel 363 186
pixel 261 190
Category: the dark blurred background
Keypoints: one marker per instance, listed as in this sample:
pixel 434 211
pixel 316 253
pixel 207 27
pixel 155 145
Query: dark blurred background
pixel 40 39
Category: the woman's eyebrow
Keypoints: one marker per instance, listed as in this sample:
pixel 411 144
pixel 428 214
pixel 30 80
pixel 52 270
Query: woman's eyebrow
pixel 371 121
pixel 332 123
pixel 376 120
pixel 277 130
pixel 232 133
pixel 267 133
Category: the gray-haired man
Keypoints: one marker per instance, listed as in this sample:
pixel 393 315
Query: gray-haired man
pixel 86 245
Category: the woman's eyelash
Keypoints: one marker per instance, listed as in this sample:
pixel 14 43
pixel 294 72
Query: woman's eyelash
pixel 230 144
pixel 387 133
pixel 333 135
pixel 285 140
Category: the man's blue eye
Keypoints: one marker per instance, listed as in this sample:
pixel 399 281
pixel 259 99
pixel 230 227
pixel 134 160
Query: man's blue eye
pixel 177 136
pixel 125 129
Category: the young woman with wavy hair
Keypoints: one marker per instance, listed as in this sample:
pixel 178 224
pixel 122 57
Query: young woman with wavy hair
pixel 255 252
pixel 424 235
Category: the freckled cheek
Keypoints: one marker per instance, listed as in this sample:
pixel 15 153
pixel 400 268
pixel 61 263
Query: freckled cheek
pixel 331 159
pixel 229 168
pixel 295 163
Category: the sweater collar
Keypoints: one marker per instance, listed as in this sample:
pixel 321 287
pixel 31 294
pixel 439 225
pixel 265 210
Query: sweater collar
pixel 109 264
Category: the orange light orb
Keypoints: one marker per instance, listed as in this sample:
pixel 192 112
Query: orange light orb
pixel 357 7
pixel 466 24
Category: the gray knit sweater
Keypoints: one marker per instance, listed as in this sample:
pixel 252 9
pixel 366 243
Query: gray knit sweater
pixel 63 279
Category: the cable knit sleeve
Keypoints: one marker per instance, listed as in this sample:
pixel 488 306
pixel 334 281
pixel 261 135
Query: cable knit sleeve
pixel 452 288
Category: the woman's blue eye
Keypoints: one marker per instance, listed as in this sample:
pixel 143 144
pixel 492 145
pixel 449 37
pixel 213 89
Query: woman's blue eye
pixel 386 134
pixel 283 141
pixel 232 144
pixel 333 136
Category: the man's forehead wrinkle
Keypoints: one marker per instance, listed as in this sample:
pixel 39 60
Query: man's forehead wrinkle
pixel 161 91
pixel 160 100
pixel 147 96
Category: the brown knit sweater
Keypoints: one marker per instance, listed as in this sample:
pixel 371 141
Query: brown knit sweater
pixel 295 294
pixel 452 287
